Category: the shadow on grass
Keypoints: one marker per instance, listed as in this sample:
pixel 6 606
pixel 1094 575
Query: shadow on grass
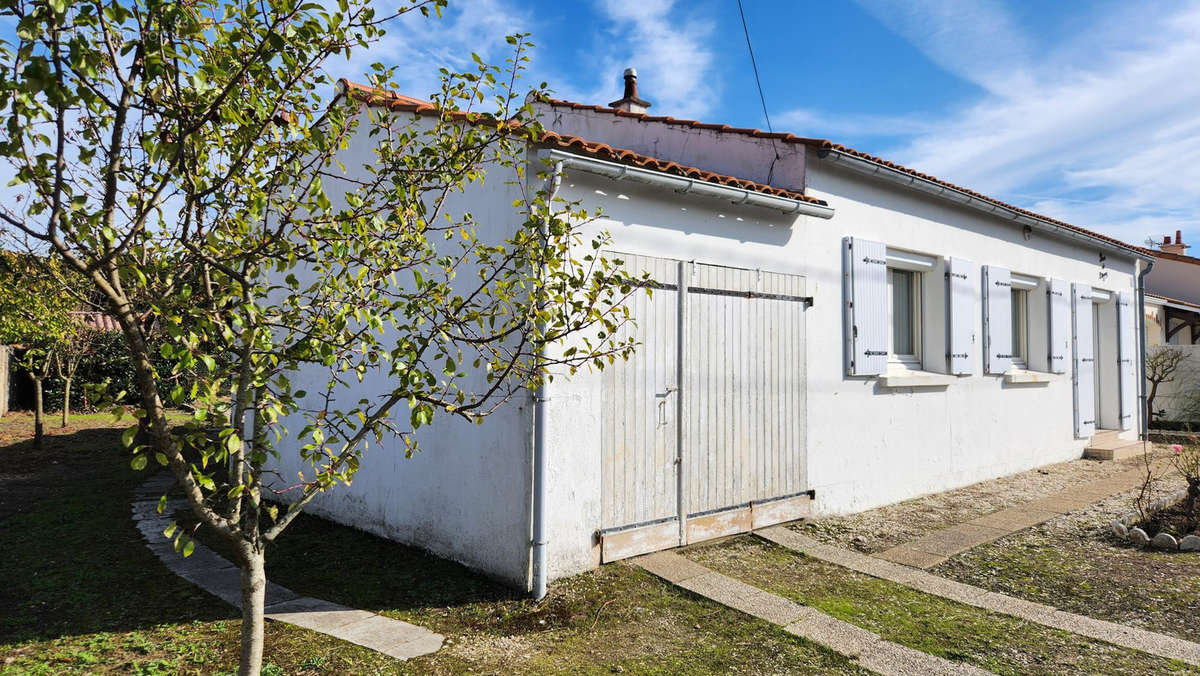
pixel 73 561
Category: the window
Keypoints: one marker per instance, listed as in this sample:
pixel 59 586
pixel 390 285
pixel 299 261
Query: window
pixel 1020 328
pixel 904 315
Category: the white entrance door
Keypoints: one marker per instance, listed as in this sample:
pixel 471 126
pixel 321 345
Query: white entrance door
pixel 704 428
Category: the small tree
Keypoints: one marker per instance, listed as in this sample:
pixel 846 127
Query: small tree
pixel 35 303
pixel 77 342
pixel 183 158
pixel 1162 366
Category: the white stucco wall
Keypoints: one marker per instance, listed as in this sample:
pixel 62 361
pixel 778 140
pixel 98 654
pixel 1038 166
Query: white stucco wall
pixel 1175 279
pixel 466 495
pixel 867 445
pixel 1177 396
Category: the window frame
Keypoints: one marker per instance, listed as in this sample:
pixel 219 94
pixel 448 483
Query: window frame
pixel 1019 300
pixel 907 361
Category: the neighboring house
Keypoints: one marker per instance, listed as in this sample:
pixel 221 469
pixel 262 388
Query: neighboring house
pixel 1173 319
pixel 829 332
pixel 1173 295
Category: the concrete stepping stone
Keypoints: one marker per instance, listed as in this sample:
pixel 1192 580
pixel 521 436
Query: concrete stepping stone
pixel 1133 638
pixel 870 649
pixel 219 577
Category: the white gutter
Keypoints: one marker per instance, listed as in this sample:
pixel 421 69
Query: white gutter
pixel 870 168
pixel 684 185
pixel 1152 300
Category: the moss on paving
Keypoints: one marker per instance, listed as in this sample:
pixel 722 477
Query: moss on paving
pixel 82 594
pixel 1090 574
pixel 928 623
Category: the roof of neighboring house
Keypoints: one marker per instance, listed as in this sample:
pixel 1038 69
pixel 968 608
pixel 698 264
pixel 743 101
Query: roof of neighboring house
pixel 101 321
pixel 1182 258
pixel 827 145
pixel 1174 301
pixel 398 102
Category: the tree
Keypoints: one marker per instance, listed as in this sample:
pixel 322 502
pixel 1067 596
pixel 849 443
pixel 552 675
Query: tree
pixel 77 342
pixel 184 159
pixel 35 302
pixel 1162 366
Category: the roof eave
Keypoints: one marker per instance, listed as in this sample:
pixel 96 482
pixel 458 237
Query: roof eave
pixel 957 196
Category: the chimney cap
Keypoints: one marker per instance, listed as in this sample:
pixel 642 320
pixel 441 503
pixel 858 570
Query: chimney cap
pixel 630 101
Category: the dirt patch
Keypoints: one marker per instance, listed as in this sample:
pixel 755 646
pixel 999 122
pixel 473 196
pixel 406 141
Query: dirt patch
pixel 883 528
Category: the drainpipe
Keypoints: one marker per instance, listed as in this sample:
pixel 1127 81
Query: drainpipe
pixel 1143 413
pixel 539 435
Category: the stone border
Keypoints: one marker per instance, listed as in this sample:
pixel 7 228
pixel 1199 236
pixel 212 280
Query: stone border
pixel 1123 529
pixel 217 576
pixel 1142 640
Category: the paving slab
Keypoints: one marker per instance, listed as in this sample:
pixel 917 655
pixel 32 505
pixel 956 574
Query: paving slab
pixel 956 539
pixel 1014 519
pixel 316 614
pixel 1133 638
pixel 671 568
pixel 911 557
pixel 804 621
pixel 217 576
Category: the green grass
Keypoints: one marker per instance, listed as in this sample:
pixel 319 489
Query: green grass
pixel 1090 574
pixel 931 624
pixel 82 594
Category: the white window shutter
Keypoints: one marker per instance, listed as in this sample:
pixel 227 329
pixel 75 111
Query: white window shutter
pixel 963 291
pixel 1126 366
pixel 1085 373
pixel 865 288
pixel 997 319
pixel 1059 302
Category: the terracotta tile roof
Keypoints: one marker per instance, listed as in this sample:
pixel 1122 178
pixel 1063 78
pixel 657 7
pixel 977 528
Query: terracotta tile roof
pixel 101 321
pixel 576 144
pixel 820 144
pixel 1182 258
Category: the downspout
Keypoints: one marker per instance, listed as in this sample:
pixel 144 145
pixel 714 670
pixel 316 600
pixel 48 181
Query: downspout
pixel 538 585
pixel 1143 413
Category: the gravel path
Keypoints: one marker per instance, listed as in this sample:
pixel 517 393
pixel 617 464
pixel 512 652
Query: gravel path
pixel 880 529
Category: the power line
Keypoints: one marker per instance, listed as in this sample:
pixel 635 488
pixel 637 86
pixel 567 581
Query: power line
pixel 758 82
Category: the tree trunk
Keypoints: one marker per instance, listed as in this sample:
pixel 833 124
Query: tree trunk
pixel 254 588
pixel 66 410
pixel 39 427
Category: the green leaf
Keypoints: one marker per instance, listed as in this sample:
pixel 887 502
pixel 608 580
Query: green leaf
pixel 138 463
pixel 128 435
pixel 170 530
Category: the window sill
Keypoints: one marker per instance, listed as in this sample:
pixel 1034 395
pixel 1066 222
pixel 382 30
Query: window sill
pixel 1022 376
pixel 909 378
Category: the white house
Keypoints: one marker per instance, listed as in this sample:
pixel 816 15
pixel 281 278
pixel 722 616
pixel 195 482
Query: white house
pixel 830 332
pixel 1172 316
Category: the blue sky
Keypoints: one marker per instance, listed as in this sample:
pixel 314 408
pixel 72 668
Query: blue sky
pixel 1085 111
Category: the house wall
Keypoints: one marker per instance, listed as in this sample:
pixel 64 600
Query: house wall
pixel 760 160
pixel 466 494
pixel 1175 279
pixel 1176 397
pixel 867 445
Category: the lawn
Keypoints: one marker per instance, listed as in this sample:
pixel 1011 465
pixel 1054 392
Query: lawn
pixel 82 594
pixel 954 631
pixel 1073 563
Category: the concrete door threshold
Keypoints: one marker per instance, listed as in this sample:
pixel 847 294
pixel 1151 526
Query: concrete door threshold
pixel 868 648
pixel 1133 638
pixel 217 576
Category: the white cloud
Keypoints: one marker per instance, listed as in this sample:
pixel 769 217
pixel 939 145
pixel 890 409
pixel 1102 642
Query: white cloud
pixel 1109 114
pixel 820 124
pixel 668 43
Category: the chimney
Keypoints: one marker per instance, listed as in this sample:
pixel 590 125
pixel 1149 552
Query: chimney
pixel 630 100
pixel 1176 247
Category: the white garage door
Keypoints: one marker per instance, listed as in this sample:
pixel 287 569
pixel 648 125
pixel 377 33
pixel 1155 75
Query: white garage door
pixel 737 461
